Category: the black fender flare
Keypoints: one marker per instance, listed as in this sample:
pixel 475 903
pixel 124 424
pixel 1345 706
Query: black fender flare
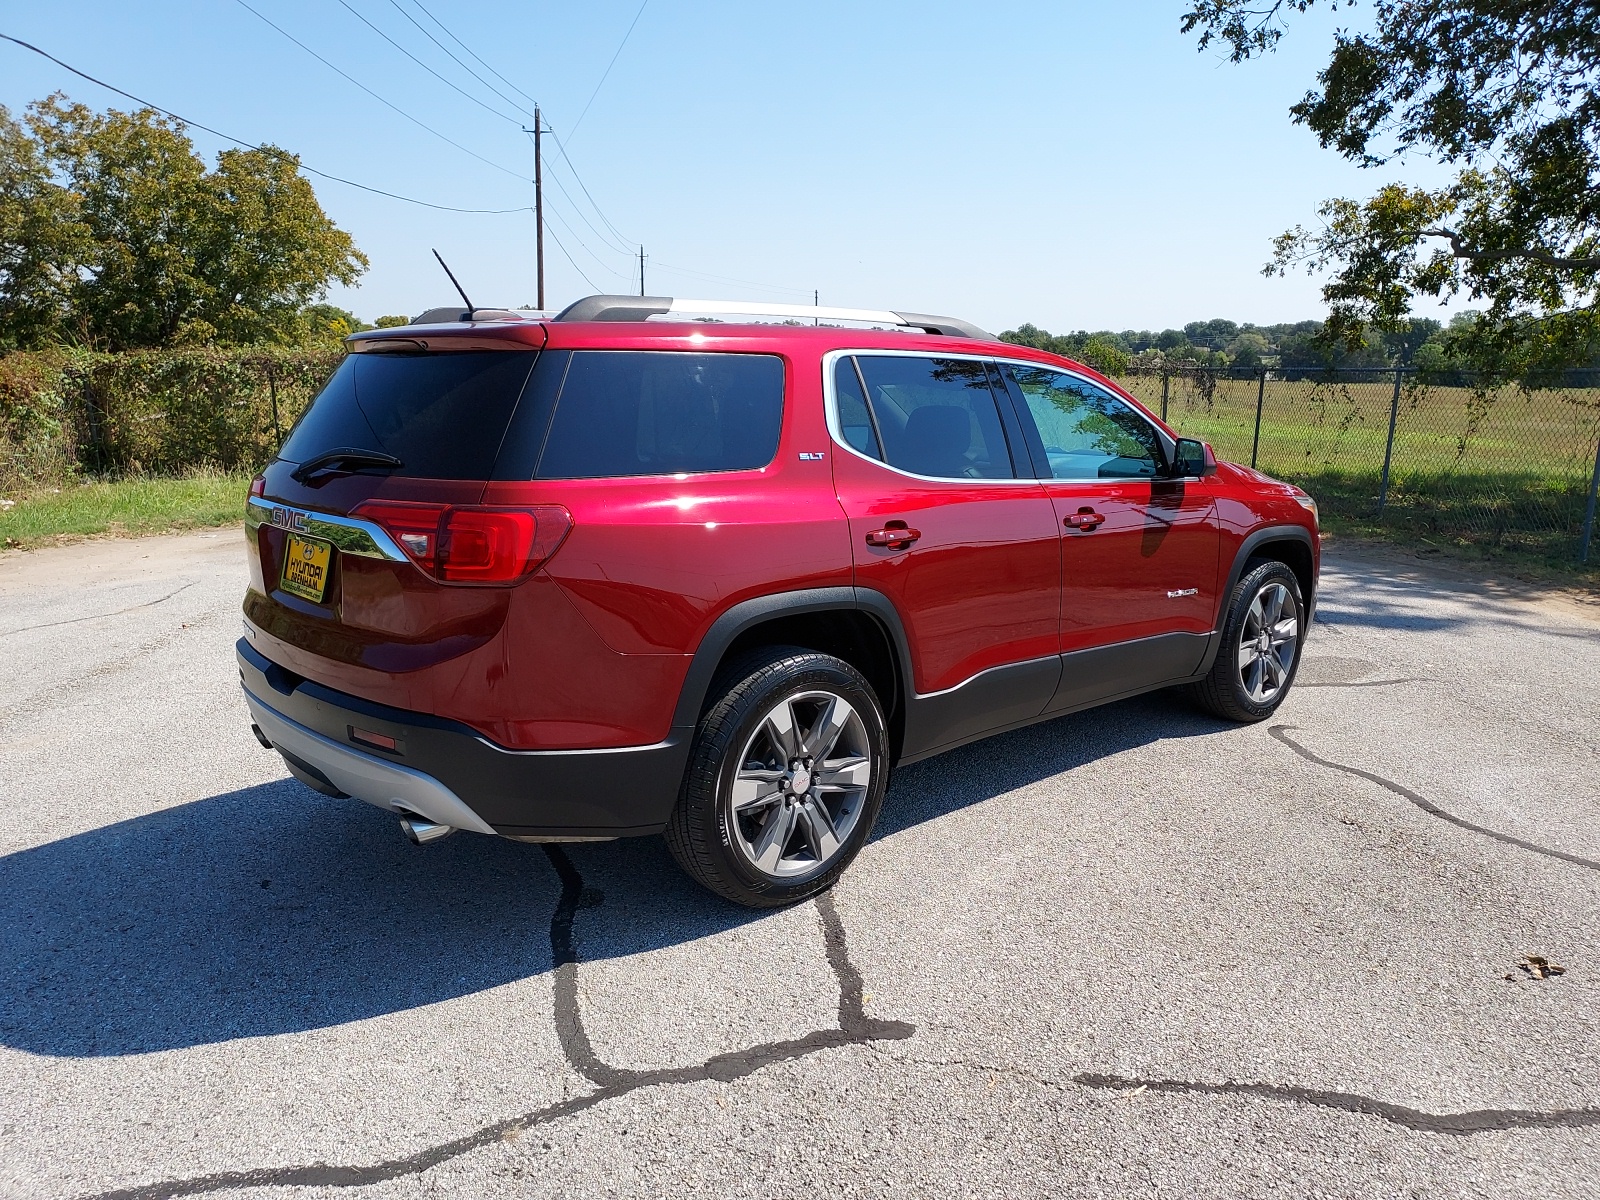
pixel 749 613
pixel 1247 548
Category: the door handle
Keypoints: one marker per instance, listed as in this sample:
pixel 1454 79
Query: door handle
pixel 895 536
pixel 1085 519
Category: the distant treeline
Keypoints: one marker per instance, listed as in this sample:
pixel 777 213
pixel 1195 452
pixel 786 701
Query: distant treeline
pixel 1427 345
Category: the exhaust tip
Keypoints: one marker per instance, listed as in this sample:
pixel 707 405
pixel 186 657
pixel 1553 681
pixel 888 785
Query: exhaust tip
pixel 421 832
pixel 260 737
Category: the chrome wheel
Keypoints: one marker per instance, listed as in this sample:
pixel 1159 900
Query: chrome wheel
pixel 1268 642
pixel 802 779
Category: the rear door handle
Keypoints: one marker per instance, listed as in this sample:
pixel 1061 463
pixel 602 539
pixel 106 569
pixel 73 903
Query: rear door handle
pixel 1085 519
pixel 893 537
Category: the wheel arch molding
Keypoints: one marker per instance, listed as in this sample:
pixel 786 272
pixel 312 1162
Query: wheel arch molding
pixel 1301 558
pixel 858 625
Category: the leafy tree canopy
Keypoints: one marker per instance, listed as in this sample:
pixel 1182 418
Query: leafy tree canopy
pixel 114 234
pixel 1504 90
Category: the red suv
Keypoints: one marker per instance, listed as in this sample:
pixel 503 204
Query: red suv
pixel 626 572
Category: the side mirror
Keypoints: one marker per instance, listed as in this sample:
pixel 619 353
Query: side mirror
pixel 1193 458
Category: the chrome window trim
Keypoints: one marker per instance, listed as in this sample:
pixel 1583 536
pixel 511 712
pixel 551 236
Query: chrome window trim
pixel 830 406
pixel 350 535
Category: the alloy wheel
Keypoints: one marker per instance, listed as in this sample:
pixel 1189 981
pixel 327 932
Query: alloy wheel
pixel 802 779
pixel 1268 642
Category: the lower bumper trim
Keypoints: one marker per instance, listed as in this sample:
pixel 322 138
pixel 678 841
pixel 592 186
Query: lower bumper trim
pixel 386 785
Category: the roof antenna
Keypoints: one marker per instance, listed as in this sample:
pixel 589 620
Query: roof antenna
pixel 459 288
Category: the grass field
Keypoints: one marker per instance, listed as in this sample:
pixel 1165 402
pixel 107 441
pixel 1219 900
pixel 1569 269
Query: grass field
pixel 124 507
pixel 1508 476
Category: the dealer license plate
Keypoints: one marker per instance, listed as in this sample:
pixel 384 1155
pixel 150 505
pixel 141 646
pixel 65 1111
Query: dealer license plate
pixel 305 567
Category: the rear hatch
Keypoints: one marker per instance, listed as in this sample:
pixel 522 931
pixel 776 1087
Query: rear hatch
pixel 372 556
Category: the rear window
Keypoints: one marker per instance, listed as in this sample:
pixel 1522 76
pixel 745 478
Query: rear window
pixel 656 412
pixel 442 415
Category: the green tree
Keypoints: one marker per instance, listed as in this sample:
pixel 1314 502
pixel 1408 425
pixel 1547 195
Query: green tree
pixel 391 322
pixel 116 235
pixel 1505 91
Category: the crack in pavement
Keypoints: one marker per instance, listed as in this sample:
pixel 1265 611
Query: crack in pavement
pixel 98 616
pixel 1433 810
pixel 1461 1124
pixel 855 1029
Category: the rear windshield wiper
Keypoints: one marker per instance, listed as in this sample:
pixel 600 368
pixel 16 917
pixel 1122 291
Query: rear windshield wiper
pixel 345 460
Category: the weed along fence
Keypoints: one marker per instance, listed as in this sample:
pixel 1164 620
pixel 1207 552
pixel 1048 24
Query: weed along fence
pixel 64 414
pixel 1383 449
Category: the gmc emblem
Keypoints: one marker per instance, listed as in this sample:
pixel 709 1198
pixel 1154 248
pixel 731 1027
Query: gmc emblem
pixel 287 518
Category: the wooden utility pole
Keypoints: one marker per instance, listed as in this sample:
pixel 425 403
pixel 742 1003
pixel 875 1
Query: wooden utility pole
pixel 538 200
pixel 641 270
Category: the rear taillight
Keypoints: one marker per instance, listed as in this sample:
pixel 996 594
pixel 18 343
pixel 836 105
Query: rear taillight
pixel 471 544
pixel 258 486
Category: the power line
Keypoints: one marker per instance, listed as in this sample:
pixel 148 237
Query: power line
pixel 561 146
pixel 609 65
pixel 475 55
pixel 387 103
pixel 622 244
pixel 554 212
pixel 578 208
pixel 228 137
pixel 424 30
pixel 448 83
pixel 570 259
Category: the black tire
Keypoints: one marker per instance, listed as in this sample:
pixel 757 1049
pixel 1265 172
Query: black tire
pixel 1225 692
pixel 713 842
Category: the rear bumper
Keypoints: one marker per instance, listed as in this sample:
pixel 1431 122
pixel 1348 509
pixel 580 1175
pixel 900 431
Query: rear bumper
pixel 453 775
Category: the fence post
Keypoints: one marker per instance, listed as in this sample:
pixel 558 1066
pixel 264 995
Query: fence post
pixel 272 387
pixel 1164 379
pixel 1261 395
pixel 1388 446
pixel 1588 513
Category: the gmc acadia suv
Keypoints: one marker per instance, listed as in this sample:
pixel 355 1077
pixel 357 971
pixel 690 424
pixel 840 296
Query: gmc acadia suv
pixel 623 572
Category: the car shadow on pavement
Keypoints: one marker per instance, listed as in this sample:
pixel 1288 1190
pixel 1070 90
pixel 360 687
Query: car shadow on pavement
pixel 274 910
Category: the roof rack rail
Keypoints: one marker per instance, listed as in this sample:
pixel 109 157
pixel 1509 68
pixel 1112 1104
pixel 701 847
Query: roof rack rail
pixel 640 308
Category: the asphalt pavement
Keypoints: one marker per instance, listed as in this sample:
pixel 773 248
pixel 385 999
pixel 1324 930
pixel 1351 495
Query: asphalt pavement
pixel 1135 951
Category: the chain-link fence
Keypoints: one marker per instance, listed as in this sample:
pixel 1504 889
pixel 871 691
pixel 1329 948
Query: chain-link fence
pixel 1382 449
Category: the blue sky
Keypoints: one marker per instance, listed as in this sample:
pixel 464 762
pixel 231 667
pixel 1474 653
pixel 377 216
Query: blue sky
pixel 1075 165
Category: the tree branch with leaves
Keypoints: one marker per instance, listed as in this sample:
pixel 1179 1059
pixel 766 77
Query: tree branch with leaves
pixel 1507 92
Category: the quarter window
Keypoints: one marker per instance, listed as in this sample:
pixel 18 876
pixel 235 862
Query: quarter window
pixel 935 416
pixel 1088 433
pixel 631 412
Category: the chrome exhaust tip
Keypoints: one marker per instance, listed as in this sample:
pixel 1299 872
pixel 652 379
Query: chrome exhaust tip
pixel 421 831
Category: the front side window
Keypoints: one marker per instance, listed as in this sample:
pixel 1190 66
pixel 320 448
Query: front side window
pixel 656 412
pixel 1088 433
pixel 936 416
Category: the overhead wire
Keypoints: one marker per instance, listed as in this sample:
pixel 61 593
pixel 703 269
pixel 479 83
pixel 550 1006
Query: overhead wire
pixel 265 149
pixel 486 66
pixel 424 30
pixel 386 103
pixel 609 65
pixel 573 261
pixel 442 79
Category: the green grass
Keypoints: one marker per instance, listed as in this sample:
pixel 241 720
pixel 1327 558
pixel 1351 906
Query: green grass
pixel 124 507
pixel 1503 483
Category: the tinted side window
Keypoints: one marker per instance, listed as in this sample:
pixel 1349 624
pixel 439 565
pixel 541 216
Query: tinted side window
pixel 1088 433
pixel 442 415
pixel 854 420
pixel 937 417
pixel 653 412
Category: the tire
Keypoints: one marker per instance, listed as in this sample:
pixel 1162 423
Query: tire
pixel 761 820
pixel 1250 678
